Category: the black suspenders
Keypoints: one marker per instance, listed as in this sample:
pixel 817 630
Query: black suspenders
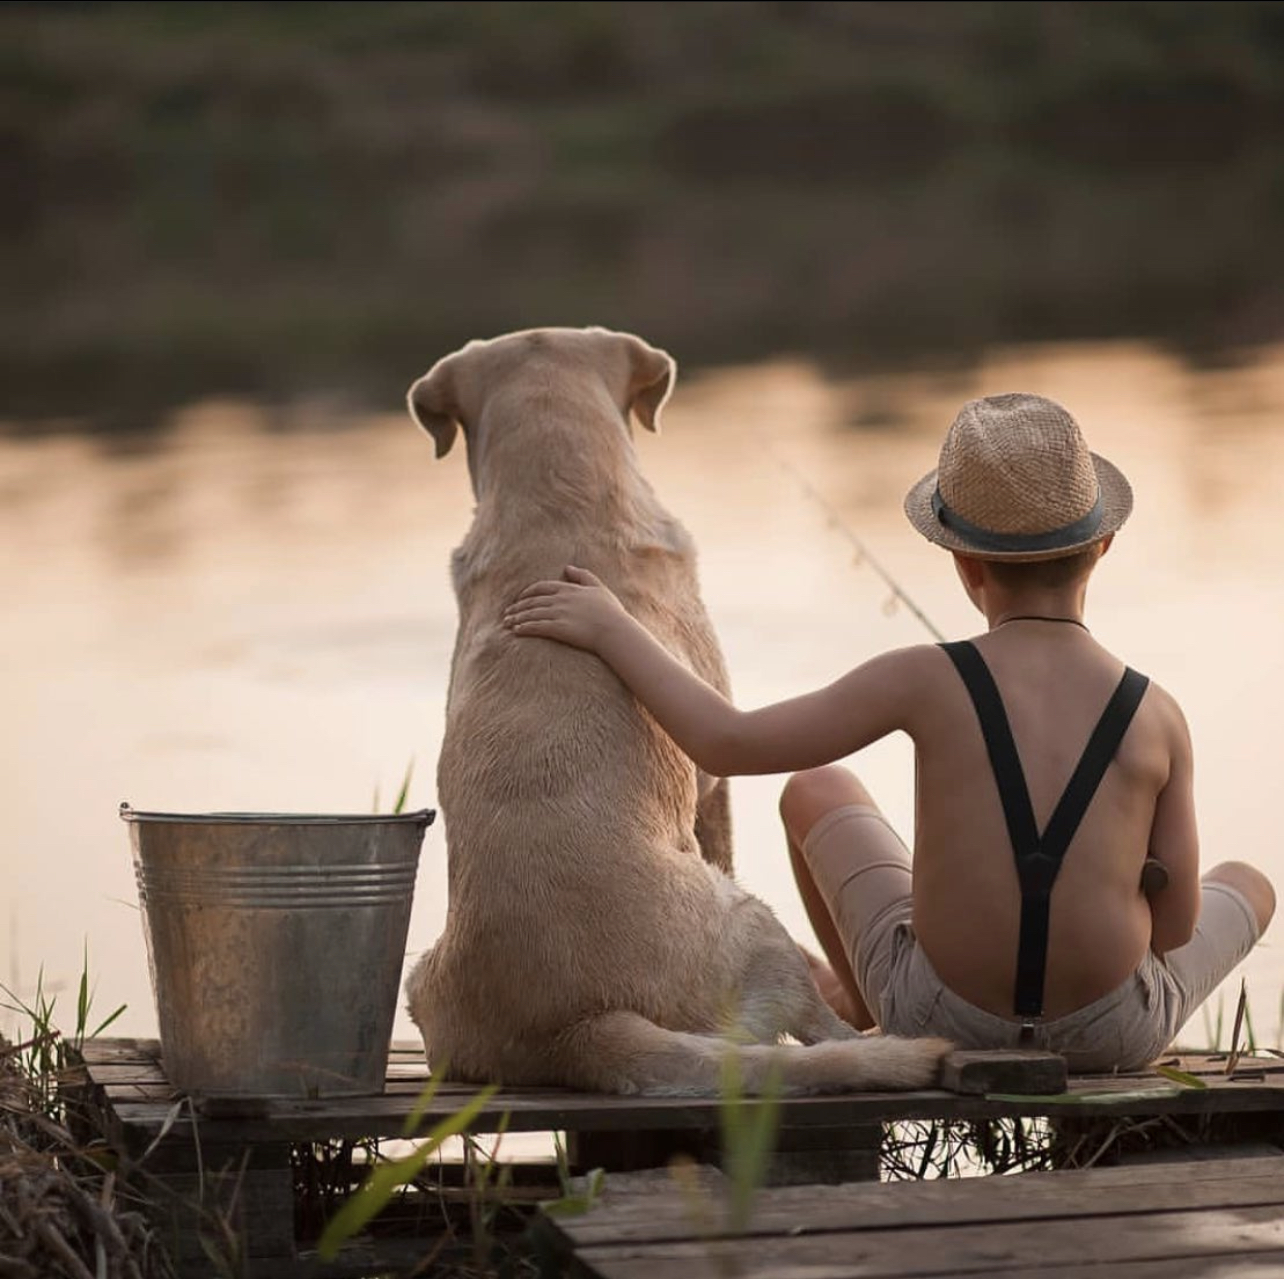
pixel 1038 857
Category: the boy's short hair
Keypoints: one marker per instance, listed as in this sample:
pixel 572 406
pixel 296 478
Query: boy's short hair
pixel 1046 574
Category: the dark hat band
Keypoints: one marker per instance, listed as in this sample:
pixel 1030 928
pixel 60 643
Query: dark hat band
pixel 984 539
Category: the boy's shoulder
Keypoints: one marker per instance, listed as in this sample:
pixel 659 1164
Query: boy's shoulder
pixel 1168 709
pixel 909 677
pixel 923 670
pixel 907 662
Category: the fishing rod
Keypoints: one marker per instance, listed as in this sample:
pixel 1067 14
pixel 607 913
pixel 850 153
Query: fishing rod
pixel 863 554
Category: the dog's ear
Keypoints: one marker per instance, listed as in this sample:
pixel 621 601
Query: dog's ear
pixel 651 380
pixel 432 404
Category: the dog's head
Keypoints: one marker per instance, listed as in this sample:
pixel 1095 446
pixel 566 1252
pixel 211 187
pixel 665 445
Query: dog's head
pixel 452 394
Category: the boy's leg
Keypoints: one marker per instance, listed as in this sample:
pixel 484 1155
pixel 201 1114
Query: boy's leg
pixel 852 871
pixel 1236 904
pixel 1251 884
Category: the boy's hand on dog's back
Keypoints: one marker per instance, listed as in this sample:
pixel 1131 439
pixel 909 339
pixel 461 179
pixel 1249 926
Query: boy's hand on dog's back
pixel 579 610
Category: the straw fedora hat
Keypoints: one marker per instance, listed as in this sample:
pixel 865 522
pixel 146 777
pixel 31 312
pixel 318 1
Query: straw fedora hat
pixel 1016 482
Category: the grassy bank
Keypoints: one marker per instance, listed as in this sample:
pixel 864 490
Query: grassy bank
pixel 278 199
pixel 63 1211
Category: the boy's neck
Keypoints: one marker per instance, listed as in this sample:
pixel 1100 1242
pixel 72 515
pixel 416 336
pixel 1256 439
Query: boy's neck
pixel 1067 605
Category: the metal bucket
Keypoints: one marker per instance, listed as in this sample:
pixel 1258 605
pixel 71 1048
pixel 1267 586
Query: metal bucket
pixel 275 943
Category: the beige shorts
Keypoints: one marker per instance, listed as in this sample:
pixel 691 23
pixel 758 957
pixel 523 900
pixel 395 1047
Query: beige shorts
pixel 862 870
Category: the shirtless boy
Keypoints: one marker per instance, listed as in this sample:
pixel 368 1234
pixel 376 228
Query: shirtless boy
pixel 1069 954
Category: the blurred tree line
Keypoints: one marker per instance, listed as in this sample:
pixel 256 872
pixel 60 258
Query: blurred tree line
pixel 282 199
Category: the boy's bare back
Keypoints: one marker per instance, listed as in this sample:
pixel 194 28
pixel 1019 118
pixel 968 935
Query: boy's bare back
pixel 1054 679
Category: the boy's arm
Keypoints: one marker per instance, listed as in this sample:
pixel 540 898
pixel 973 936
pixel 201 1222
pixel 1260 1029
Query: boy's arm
pixel 799 733
pixel 1174 841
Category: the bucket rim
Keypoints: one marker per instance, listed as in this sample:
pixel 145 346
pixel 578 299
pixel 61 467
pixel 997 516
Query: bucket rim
pixel 419 817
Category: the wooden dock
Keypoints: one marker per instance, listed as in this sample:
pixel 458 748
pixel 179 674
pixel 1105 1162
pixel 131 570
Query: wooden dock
pixel 240 1155
pixel 1219 1219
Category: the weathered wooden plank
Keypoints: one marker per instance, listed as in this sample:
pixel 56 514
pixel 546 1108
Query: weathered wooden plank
pixel 406 1058
pixel 409 1086
pixel 402 1054
pixel 1005 1072
pixel 822 1209
pixel 1216 1063
pixel 1258 1265
pixel 109 1074
pixel 153 1092
pixel 1232 1266
pixel 1186 1155
pixel 989 1249
pixel 130 1085
pixel 409 1062
pixel 120 1049
pixel 384 1115
pixel 107 1048
pixel 143 1121
pixel 400 1072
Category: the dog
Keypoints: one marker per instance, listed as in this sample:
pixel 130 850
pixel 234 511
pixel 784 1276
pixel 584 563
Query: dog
pixel 594 937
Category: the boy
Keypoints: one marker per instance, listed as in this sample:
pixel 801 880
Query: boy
pixel 1024 921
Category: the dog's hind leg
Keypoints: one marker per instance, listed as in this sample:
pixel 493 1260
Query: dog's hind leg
pixel 713 822
pixel 623 1052
pixel 779 997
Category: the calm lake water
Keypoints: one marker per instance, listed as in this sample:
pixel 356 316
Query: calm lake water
pixel 253 612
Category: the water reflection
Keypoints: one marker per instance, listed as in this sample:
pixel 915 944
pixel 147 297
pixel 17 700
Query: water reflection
pixel 250 614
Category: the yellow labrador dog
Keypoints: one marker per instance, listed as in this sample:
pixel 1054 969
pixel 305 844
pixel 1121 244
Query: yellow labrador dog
pixel 587 941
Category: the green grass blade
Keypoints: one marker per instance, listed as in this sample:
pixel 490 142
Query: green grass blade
pixel 1086 1098
pixel 18 1005
pixel 385 1179
pixel 107 1021
pixel 1181 1077
pixel 171 1116
pixel 400 805
pixel 748 1135
pixel 574 1205
pixel 757 1142
pixel 82 998
pixel 484 1165
pixel 1241 1006
pixel 563 1164
pixel 731 1092
pixel 422 1102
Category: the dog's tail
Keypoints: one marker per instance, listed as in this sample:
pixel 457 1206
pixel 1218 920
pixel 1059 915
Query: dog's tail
pixel 623 1052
